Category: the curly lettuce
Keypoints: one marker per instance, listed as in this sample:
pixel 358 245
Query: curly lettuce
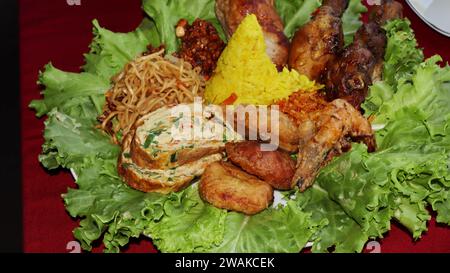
pixel 401 57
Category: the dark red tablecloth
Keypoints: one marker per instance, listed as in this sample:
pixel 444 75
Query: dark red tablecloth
pixel 55 31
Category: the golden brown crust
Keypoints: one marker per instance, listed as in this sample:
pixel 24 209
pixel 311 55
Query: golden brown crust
pixel 231 12
pixel 331 129
pixel 147 184
pixel 274 167
pixel 228 187
pixel 189 155
pixel 143 159
pixel 287 132
pixel 317 43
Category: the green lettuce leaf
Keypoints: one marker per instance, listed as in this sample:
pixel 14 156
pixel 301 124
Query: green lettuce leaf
pixel 109 208
pixel 417 120
pixel 351 20
pixel 412 215
pixel 401 57
pixel 296 13
pixel 402 53
pixel 71 142
pixel 82 94
pixel 110 51
pixel 342 233
pixel 358 182
pixel 166 14
pixel 75 94
pixel 426 90
pixel 188 224
pixel 285 229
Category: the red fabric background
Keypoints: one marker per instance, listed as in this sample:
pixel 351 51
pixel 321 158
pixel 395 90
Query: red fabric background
pixel 55 31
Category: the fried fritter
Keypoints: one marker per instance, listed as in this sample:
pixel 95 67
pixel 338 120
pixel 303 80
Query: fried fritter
pixel 274 167
pixel 226 186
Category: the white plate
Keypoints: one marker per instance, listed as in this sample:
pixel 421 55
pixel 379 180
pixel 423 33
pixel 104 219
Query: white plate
pixel 435 13
pixel 72 171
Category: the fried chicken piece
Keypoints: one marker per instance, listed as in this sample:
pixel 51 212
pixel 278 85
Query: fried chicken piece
pixel 329 131
pixel 373 35
pixel 388 10
pixel 226 186
pixel 274 167
pixel 319 41
pixel 286 131
pixel 231 12
pixel 350 76
pixel 360 64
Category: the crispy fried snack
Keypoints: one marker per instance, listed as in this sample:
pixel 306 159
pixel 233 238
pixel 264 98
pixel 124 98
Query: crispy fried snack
pixel 274 167
pixel 226 186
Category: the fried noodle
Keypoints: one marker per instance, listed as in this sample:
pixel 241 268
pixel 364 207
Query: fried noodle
pixel 147 83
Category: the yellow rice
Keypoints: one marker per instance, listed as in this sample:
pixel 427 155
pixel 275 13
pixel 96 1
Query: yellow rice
pixel 245 69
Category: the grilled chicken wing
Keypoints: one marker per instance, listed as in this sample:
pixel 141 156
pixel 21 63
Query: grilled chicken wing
pixel 231 12
pixel 361 63
pixel 329 131
pixel 317 43
pixel 274 167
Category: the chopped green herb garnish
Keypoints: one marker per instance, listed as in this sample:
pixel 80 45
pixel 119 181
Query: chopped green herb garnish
pixel 176 121
pixel 119 136
pixel 151 136
pixel 294 156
